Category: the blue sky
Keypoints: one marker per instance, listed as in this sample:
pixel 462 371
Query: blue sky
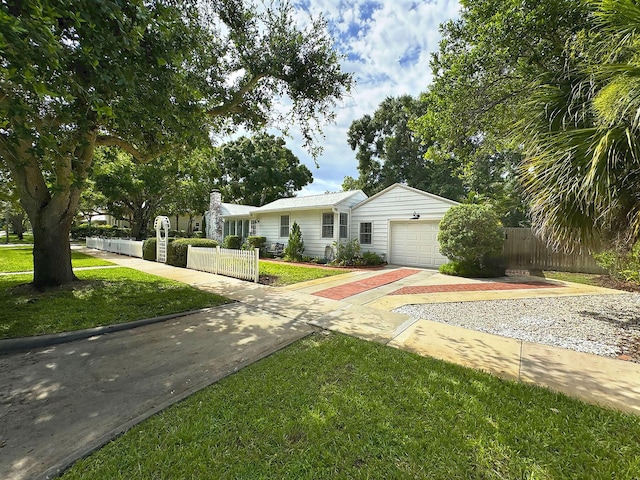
pixel 387 45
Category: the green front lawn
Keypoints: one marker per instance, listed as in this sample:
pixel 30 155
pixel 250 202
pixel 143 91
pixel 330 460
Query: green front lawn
pixel 13 239
pixel 337 407
pixel 103 297
pixel 282 273
pixel 20 259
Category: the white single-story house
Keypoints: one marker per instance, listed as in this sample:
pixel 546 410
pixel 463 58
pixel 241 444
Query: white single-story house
pixel 400 222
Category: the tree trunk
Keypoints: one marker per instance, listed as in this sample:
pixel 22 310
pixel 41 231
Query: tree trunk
pixel 190 225
pixel 51 249
pixel 140 222
pixel 17 224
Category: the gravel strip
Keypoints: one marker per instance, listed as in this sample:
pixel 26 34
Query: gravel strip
pixel 607 325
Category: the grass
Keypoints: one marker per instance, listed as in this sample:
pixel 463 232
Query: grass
pixel 286 274
pixel 13 239
pixel 337 407
pixel 104 297
pixel 20 259
pixel 584 278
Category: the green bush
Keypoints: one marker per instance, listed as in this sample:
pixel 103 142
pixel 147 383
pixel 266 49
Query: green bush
pixel 177 249
pixel 149 249
pixel 347 253
pixel 371 258
pixel 178 234
pixel 620 261
pixel 294 250
pixel 85 230
pixel 232 241
pixel 256 242
pixel 471 235
pixel 461 269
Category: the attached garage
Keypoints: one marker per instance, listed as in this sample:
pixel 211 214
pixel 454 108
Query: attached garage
pixel 415 243
pixel 401 223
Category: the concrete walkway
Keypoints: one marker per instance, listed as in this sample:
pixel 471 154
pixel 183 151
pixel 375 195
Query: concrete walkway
pixel 72 398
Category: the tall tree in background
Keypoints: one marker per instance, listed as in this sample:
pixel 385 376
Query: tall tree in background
pixel 388 151
pixel 485 65
pixel 10 209
pixel 259 170
pixel 582 135
pixel 198 175
pixel 483 74
pixel 134 191
pixel 143 76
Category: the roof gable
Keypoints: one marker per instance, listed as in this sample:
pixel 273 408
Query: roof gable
pixel 406 187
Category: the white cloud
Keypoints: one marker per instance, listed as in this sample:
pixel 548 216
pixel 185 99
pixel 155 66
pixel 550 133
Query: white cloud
pixel 388 45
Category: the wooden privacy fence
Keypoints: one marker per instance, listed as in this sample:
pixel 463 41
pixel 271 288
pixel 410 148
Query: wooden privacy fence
pixel 523 251
pixel 132 248
pixel 243 264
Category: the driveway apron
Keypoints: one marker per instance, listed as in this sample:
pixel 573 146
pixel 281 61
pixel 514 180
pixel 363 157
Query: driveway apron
pixel 60 403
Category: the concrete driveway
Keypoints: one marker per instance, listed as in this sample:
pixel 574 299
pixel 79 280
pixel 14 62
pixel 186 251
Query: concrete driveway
pixel 60 403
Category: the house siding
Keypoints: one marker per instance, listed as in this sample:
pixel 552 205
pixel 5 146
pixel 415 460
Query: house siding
pixel 310 222
pixel 398 203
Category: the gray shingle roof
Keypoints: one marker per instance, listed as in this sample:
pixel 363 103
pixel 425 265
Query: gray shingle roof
pixel 325 200
pixel 233 210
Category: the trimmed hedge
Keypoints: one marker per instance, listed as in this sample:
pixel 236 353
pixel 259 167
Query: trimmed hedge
pixel 471 270
pixel 149 249
pixel 471 234
pixel 232 241
pixel 95 230
pixel 177 250
pixel 256 242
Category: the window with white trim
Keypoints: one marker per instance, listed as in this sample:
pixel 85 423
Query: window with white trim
pixel 284 225
pixel 366 231
pixel 344 225
pixel 327 225
pixel 253 227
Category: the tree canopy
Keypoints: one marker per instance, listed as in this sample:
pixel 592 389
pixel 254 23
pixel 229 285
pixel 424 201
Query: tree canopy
pixel 582 135
pixel 388 151
pixel 146 77
pixel 258 170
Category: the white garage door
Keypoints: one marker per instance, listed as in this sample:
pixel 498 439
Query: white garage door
pixel 415 244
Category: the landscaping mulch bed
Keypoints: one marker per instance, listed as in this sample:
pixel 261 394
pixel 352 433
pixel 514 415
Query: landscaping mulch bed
pixel 608 282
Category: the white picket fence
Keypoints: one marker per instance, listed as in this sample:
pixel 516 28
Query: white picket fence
pixel 132 248
pixel 243 264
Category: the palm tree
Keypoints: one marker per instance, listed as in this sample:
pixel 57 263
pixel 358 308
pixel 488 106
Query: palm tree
pixel 581 135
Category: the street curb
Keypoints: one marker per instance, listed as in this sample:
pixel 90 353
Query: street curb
pixel 16 345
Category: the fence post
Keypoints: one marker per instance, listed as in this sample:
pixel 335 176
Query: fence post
pixel 217 260
pixel 257 265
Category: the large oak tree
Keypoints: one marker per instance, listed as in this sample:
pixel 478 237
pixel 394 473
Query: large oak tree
pixel 258 170
pixel 143 76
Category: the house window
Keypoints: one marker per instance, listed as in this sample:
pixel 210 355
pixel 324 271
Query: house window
pixel 232 229
pixel 284 225
pixel 253 228
pixel 344 225
pixel 365 233
pixel 327 225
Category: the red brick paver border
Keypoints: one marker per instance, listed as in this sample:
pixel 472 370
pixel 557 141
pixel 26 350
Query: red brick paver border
pixel 472 287
pixel 353 288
